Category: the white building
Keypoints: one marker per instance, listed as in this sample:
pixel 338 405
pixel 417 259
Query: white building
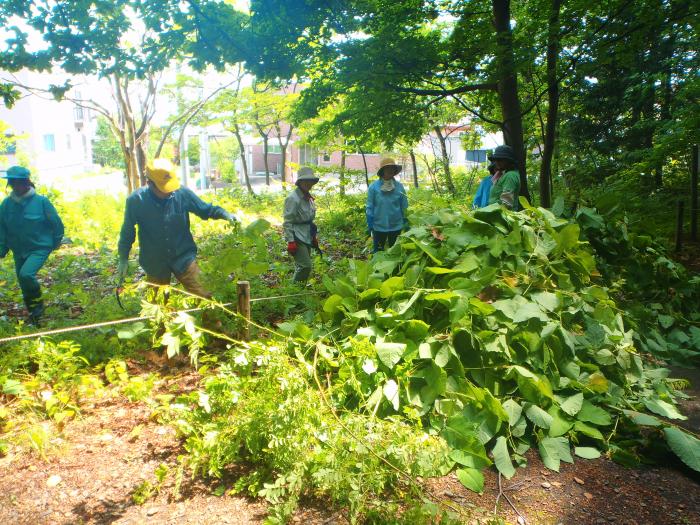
pixel 56 137
pixel 460 155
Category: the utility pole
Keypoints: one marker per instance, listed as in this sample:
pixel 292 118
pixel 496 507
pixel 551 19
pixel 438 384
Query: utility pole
pixel 203 159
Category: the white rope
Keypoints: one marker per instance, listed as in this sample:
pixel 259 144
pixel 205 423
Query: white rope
pixel 129 320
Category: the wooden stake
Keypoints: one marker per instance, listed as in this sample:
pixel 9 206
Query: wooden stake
pixel 679 227
pixel 244 307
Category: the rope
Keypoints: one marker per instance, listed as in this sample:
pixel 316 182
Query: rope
pixel 89 326
pixel 73 329
pixel 284 296
pixel 132 319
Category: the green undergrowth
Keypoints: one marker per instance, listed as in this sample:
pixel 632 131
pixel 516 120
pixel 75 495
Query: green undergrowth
pixel 481 334
pixel 478 336
pixel 266 410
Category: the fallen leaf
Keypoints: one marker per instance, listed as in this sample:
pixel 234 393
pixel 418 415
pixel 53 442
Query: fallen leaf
pixel 588 495
pixel 546 485
pixel 436 233
pixel 579 481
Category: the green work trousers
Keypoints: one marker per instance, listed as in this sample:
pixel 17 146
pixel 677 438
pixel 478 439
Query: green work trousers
pixel 302 262
pixel 26 268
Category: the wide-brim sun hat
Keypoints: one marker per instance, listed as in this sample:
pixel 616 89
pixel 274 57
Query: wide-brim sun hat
pixel 388 162
pixel 503 153
pixel 17 173
pixel 307 174
pixel 164 175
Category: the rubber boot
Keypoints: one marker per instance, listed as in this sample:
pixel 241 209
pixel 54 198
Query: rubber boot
pixel 35 312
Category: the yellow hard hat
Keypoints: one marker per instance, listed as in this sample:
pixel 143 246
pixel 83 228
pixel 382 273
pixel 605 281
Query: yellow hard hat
pixel 163 173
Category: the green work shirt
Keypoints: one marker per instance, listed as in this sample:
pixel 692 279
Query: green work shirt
pixel 29 225
pixel 506 190
pixel 299 213
pixel 165 240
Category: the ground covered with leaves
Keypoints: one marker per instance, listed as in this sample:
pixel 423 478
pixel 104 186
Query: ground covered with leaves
pixel 491 367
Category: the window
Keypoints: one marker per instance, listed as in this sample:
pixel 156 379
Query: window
pixel 326 157
pixel 477 155
pixel 307 155
pixel 274 148
pixel 49 142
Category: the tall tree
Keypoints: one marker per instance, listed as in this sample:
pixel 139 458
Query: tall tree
pixel 119 41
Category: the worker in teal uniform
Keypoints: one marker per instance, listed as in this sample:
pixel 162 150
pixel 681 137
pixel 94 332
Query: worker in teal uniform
pixel 31 228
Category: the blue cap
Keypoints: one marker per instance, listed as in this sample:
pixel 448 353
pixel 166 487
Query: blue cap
pixel 17 172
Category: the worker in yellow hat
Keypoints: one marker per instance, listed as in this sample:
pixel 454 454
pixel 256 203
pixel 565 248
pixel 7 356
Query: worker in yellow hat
pixel 161 211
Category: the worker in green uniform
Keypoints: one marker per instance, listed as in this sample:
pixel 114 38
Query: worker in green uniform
pixel 161 211
pixel 298 226
pixel 505 187
pixel 32 229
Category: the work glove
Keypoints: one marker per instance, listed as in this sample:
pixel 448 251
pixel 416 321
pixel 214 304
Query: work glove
pixel 233 220
pixel 292 247
pixel 122 269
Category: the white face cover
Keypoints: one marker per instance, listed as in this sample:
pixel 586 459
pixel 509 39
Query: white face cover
pixel 388 185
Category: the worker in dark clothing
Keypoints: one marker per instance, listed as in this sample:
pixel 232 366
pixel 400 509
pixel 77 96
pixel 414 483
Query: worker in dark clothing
pixel 161 212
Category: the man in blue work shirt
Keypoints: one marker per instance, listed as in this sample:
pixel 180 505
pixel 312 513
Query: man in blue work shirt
pixel 161 211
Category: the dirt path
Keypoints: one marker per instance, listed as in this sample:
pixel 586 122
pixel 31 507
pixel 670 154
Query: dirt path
pixel 114 448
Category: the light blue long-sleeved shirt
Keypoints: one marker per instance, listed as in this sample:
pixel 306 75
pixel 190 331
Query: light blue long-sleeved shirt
pixel 386 210
pixel 483 192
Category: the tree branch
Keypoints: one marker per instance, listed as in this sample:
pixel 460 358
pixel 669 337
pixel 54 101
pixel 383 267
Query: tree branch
pixel 446 92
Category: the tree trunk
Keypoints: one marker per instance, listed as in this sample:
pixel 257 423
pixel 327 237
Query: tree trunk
pixel 508 89
pixel 415 168
pixel 445 160
pixel 364 162
pixel 284 161
pixel 244 163
pixel 342 182
pixel 266 149
pixel 553 105
pixel 283 147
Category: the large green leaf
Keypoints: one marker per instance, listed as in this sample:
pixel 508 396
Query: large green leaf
pixel 587 452
pixel 520 309
pixel 593 414
pixel 538 416
pixel 685 446
pixel 471 478
pixel 391 392
pixel 546 300
pixel 642 419
pixel 553 450
pixel 561 423
pixel 332 304
pixel 501 458
pixel 661 407
pixel 572 405
pixel 391 285
pixel 568 237
pixel 513 409
pixel 390 353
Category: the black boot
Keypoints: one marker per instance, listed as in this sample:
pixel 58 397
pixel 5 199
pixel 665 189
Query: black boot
pixel 35 312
